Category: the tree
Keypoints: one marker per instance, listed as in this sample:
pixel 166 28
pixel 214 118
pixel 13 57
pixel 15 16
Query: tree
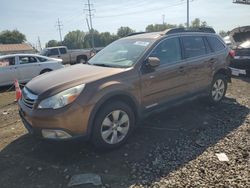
pixel 198 23
pixel 106 38
pixel 124 31
pixel 74 39
pixel 52 43
pixel 12 37
pixel 159 27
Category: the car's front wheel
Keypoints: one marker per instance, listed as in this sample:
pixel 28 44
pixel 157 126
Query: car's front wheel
pixel 113 124
pixel 218 89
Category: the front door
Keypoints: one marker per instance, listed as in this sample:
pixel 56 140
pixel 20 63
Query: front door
pixel 167 81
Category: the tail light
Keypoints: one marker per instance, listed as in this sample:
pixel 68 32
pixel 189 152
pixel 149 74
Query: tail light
pixel 231 53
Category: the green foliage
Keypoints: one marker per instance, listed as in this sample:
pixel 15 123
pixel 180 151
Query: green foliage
pixel 124 31
pixel 52 43
pixel 198 23
pixel 74 39
pixel 12 37
pixel 159 27
pixel 79 39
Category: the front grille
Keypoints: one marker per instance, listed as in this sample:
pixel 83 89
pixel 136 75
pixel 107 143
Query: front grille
pixel 28 98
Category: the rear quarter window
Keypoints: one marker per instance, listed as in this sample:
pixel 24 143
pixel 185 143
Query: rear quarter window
pixel 194 46
pixel 215 43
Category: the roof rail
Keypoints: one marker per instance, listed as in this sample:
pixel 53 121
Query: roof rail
pixel 135 33
pixel 182 30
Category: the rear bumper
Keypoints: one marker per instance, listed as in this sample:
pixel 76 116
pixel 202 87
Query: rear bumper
pixel 240 67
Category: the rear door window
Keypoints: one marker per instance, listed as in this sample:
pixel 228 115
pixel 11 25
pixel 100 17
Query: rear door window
pixel 193 46
pixel 215 43
pixel 168 51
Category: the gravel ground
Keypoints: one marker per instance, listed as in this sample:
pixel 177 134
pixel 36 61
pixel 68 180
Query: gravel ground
pixel 174 148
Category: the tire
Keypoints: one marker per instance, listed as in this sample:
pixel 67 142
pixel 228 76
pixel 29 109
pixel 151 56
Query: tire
pixel 112 126
pixel 81 60
pixel 217 89
pixel 45 70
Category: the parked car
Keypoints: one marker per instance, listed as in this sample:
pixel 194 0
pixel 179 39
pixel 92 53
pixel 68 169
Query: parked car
pixel 127 80
pixel 240 43
pixel 24 67
pixel 68 56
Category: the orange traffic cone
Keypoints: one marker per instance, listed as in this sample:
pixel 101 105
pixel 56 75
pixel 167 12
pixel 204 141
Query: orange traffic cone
pixel 18 90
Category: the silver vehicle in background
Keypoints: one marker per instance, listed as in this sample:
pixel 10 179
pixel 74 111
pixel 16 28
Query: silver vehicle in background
pixel 24 67
pixel 68 56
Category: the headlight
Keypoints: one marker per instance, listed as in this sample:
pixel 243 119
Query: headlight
pixel 62 99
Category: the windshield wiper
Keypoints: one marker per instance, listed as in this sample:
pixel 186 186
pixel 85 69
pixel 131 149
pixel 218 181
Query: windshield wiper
pixel 101 65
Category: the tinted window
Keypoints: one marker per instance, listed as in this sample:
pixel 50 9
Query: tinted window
pixel 41 59
pixel 168 51
pixel 53 52
pixel 215 44
pixel 193 46
pixel 27 59
pixel 7 61
pixel 62 50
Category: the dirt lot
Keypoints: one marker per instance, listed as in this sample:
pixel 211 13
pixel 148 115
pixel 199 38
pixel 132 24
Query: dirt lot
pixel 174 148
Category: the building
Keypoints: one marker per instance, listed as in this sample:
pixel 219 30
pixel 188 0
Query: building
pixel 16 48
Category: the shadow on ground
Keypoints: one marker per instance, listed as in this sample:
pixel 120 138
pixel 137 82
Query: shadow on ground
pixel 161 144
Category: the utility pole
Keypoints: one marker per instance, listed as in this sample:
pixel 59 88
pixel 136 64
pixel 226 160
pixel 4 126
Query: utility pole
pixel 90 20
pixel 39 44
pixel 187 13
pixel 163 19
pixel 59 27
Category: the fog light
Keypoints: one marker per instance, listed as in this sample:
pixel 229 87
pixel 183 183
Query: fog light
pixel 55 134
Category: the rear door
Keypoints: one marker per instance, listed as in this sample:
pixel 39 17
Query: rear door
pixel 8 71
pixel 167 81
pixel 28 67
pixel 199 68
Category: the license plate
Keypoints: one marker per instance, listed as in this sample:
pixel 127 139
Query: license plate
pixel 237 72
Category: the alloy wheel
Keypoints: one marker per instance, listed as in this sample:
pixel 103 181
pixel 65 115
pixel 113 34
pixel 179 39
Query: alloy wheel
pixel 218 90
pixel 115 127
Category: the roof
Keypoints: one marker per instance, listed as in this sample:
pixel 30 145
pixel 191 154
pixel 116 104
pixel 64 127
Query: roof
pixel 15 47
pixel 12 55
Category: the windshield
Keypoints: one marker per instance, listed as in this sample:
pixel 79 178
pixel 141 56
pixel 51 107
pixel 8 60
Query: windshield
pixel 44 52
pixel 122 53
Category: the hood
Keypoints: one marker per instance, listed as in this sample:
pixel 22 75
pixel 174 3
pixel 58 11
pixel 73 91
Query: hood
pixel 68 77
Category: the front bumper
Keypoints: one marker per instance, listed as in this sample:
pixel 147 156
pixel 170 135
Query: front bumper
pixel 69 120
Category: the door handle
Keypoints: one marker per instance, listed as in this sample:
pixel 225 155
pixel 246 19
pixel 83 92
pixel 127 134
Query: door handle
pixel 181 69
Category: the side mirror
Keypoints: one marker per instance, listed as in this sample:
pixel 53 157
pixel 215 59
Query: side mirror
pixel 153 62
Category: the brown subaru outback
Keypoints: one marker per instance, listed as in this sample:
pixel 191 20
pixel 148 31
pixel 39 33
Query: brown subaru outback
pixel 130 78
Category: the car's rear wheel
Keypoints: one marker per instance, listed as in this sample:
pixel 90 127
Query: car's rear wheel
pixel 218 89
pixel 81 60
pixel 114 123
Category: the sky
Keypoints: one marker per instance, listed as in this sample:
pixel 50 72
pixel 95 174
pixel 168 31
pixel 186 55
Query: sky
pixel 37 18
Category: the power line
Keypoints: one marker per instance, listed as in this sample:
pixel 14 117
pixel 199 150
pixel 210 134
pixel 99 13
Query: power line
pixel 59 27
pixel 142 11
pixel 90 15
